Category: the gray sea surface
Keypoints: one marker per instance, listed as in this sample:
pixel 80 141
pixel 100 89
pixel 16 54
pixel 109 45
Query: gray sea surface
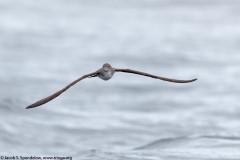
pixel 44 45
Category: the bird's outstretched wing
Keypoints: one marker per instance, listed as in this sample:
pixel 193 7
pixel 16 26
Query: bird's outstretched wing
pixel 153 76
pixel 51 97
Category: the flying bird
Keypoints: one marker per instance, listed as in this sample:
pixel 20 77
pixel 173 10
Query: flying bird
pixel 105 73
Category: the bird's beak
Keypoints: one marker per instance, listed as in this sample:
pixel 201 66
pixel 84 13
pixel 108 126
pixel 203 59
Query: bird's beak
pixel 105 69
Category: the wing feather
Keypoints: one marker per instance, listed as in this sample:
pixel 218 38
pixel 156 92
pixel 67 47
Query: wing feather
pixel 56 94
pixel 154 76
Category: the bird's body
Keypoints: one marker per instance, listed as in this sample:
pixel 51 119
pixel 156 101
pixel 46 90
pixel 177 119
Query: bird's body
pixel 105 73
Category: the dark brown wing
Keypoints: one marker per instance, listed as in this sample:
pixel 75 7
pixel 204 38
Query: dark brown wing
pixel 51 97
pixel 153 76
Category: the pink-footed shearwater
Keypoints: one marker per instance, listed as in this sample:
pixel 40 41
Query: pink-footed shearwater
pixel 105 73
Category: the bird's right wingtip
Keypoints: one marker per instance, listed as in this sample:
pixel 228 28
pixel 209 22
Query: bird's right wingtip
pixel 29 107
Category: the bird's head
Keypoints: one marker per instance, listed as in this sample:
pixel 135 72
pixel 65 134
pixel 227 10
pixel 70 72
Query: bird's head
pixel 107 67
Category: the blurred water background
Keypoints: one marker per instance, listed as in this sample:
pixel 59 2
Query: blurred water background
pixel 45 44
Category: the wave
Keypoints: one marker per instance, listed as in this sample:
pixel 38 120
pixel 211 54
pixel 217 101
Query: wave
pixel 200 141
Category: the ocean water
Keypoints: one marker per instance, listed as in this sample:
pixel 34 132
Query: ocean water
pixel 44 45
